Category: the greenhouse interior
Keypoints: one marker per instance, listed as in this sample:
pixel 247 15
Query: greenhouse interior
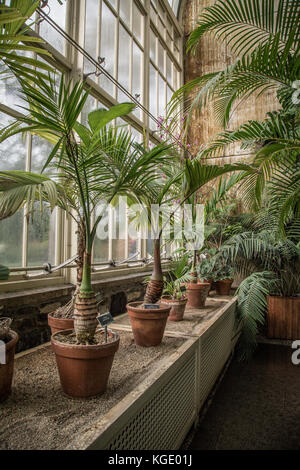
pixel 150 227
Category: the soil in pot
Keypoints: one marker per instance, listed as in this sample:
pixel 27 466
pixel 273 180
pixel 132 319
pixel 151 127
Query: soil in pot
pixel 148 325
pixel 197 294
pixel 224 287
pixel 7 369
pixel 177 307
pixel 84 369
pixel 283 317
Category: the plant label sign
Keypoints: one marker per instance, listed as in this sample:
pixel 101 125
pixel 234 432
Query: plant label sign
pixel 105 319
pixel 151 306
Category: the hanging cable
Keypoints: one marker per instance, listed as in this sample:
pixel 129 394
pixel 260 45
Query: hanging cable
pixel 101 70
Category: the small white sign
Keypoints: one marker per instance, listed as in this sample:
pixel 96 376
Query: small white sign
pixel 2 353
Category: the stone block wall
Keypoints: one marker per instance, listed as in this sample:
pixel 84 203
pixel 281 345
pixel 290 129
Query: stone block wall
pixel 29 309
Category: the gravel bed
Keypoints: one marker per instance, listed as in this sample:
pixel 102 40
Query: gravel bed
pixel 38 416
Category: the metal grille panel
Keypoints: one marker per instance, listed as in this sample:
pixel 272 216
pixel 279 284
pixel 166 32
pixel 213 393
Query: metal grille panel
pixel 214 352
pixel 159 424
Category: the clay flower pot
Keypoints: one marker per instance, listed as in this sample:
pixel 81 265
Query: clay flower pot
pixel 84 370
pixel 197 294
pixel 7 369
pixel 283 317
pixel 148 325
pixel 177 307
pixel 224 287
pixel 60 324
pixel 208 281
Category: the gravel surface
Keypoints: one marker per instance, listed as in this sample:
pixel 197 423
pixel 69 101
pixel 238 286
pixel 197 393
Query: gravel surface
pixel 39 416
pixel 192 317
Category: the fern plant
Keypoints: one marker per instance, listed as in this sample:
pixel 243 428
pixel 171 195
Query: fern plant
pixel 271 267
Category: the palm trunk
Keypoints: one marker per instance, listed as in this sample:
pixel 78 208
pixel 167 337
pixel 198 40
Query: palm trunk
pixel 156 284
pixel 85 311
pixel 193 269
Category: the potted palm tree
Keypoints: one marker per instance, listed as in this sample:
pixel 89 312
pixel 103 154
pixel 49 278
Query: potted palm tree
pixel 85 173
pixel 148 323
pixel 174 294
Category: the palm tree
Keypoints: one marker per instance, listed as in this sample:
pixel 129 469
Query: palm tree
pixel 17 48
pixel 89 164
pixel 192 175
pixel 264 36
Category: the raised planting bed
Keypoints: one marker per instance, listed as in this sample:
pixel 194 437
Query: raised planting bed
pixel 153 398
pixel 192 319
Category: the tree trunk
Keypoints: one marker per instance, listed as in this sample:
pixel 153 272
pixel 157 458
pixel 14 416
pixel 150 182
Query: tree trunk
pixel 85 310
pixel 156 284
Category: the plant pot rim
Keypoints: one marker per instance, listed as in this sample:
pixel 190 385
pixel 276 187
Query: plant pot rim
pixel 84 347
pixel 169 299
pixel 13 341
pixel 148 314
pixel 225 280
pixel 197 286
pixel 283 297
pixel 51 317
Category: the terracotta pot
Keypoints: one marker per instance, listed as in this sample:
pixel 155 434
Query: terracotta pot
pixel 197 294
pixel 177 308
pixel 148 326
pixel 60 324
pixel 84 370
pixel 7 369
pixel 224 287
pixel 283 317
pixel 208 281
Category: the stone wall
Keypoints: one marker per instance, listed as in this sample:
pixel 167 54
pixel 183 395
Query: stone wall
pixel 29 309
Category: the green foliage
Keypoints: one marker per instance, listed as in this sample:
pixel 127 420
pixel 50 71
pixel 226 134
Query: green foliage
pixel 177 275
pixel 266 42
pixel 4 273
pixel 272 267
pixel 16 45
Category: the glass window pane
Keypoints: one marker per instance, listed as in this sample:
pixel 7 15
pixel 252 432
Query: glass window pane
pixel 124 58
pixel 41 237
pixel 11 235
pixel 91 33
pixel 58 14
pixel 108 47
pixel 125 7
pixel 152 46
pixel 13 151
pixel 41 150
pixel 161 58
pixel 169 69
pixel 161 96
pixel 137 23
pixel 137 64
pixel 153 93
pixel 101 243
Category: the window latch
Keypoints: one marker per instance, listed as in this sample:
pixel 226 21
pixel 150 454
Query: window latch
pixel 51 269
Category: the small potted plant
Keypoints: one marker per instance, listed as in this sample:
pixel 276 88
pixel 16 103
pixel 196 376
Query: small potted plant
pixel 175 294
pixel 205 269
pixel 223 276
pixel 8 341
